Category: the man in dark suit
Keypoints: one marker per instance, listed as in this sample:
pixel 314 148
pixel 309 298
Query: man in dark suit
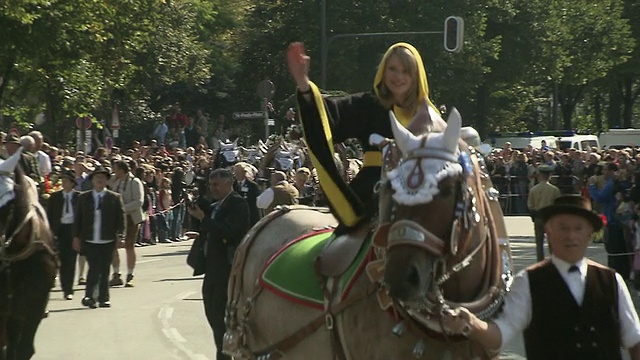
pixel 248 188
pixel 223 228
pixel 61 217
pixel 99 220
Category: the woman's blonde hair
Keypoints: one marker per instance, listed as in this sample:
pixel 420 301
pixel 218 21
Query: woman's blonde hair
pixel 408 62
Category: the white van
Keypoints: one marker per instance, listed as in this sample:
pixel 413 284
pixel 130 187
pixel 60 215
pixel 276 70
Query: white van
pixel 520 141
pixel 620 138
pixel 579 142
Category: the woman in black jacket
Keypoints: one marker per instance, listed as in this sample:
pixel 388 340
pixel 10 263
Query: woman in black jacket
pixel 400 85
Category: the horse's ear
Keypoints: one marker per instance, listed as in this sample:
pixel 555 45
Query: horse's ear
pixel 451 135
pixel 404 138
pixel 421 122
pixel 9 165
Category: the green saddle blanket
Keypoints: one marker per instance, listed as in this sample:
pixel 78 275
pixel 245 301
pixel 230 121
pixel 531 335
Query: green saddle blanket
pixel 290 272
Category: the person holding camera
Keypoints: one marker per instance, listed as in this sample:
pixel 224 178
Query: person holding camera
pixel 222 226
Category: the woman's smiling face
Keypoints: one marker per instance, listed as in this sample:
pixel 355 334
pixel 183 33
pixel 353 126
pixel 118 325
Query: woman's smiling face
pixel 397 78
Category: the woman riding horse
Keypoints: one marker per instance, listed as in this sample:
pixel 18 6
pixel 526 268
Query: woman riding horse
pixel 400 85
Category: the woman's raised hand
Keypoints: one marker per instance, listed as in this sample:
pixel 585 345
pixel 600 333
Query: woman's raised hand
pixel 299 65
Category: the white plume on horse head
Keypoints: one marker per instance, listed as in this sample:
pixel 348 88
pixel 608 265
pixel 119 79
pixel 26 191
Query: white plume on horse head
pixel 427 159
pixel 7 168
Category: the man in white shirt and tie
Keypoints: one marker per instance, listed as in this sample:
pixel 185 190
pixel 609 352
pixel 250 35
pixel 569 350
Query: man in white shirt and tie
pixel 99 223
pixel 567 306
pixel 60 214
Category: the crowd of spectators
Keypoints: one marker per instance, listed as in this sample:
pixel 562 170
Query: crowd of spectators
pixel 180 153
pixel 173 164
pixel 610 178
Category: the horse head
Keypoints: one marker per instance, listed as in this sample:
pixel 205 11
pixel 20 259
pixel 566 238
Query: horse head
pixel 427 187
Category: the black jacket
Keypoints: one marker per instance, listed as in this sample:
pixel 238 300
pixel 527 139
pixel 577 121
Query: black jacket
pixel 55 207
pixel 112 216
pixel 250 192
pixel 223 234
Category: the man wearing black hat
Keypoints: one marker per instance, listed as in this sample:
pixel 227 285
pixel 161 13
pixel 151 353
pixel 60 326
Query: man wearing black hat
pixel 567 306
pixel 99 220
pixel 61 217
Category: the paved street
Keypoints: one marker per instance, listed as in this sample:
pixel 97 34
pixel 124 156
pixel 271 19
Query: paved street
pixel 162 317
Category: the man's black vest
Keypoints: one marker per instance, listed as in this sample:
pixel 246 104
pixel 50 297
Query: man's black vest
pixel 560 328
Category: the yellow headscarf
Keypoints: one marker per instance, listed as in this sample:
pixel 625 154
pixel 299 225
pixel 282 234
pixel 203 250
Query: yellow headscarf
pixel 423 84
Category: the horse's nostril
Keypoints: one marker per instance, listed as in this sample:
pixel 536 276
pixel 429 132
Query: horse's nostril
pixel 413 277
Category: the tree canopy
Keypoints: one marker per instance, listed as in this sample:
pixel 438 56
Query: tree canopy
pixel 522 62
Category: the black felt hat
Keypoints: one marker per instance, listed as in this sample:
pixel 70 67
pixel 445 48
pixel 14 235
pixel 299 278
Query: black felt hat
pixel 100 170
pixel 69 174
pixel 572 204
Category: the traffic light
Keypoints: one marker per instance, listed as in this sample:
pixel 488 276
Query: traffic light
pixel 453 33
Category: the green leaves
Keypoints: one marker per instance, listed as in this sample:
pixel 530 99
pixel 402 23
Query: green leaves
pixel 66 57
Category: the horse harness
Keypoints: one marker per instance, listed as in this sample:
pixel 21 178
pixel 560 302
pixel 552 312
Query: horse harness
pixel 472 213
pixel 34 241
pixel 235 339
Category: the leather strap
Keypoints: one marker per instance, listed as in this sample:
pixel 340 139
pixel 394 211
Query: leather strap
pixel 235 278
pixel 279 349
pixel 429 335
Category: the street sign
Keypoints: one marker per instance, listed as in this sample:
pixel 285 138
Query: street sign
pixel 79 141
pixel 83 120
pixel 87 141
pixel 242 115
pixel 115 118
pixel 266 89
pixel 271 122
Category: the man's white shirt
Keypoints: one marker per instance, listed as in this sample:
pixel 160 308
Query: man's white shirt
pixel 516 314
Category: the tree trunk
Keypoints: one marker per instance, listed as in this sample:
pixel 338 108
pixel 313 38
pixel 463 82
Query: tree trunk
pixel 629 97
pixel 4 82
pixel 615 107
pixel 554 110
pixel 597 111
pixel 481 111
pixel 569 97
pixel 50 111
